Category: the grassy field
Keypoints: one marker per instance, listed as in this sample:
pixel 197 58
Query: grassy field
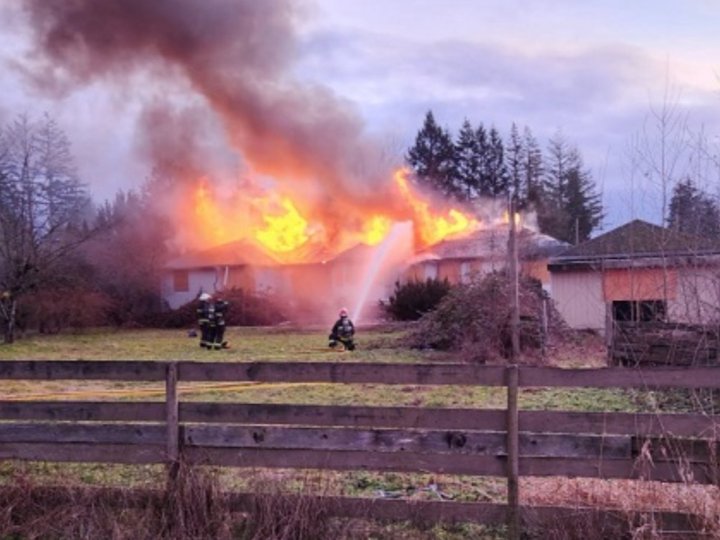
pixel 287 344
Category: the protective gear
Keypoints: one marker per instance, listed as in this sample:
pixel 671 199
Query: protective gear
pixel 218 324
pixel 343 331
pixel 204 297
pixel 205 311
pixel 343 312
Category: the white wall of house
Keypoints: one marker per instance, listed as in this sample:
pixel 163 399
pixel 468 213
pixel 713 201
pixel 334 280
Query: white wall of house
pixel 698 296
pixel 198 280
pixel 579 298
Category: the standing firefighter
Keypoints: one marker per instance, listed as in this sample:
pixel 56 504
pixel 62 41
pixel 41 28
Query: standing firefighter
pixel 218 333
pixel 205 311
pixel 343 331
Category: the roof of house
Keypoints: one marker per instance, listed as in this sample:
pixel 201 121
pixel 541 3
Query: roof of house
pixel 639 239
pixel 491 243
pixel 232 254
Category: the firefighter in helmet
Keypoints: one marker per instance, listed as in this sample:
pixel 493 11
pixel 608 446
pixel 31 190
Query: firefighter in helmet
pixel 205 311
pixel 343 331
pixel 218 324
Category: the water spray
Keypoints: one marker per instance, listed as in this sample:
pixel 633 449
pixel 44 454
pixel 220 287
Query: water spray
pixel 390 245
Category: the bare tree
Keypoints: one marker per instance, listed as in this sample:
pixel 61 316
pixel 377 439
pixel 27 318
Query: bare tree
pixel 41 201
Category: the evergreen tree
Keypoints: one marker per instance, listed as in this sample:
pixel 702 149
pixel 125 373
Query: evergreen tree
pixel 693 211
pixel 467 151
pixel 483 149
pixel 433 158
pixel 497 175
pixel 514 159
pixel 570 209
pixel 532 170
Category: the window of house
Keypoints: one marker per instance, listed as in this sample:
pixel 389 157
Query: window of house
pixel 642 311
pixel 431 271
pixel 181 281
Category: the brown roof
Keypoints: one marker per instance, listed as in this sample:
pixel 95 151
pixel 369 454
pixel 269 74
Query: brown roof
pixel 639 238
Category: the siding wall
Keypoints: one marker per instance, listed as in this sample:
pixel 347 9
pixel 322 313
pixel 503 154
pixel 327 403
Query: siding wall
pixel 698 298
pixel 579 298
pixel 198 281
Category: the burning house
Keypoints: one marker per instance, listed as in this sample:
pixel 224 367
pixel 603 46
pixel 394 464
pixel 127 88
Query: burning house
pixel 482 251
pixel 315 279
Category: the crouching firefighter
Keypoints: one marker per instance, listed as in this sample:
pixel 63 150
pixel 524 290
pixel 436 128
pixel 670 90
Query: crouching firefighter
pixel 343 331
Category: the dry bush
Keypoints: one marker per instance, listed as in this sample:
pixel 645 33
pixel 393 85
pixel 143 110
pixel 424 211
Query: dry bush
pixel 474 320
pixel 53 310
pixel 276 514
pixel 194 507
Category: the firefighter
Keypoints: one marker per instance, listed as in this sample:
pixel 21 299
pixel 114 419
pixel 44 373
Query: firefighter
pixel 343 331
pixel 218 324
pixel 205 311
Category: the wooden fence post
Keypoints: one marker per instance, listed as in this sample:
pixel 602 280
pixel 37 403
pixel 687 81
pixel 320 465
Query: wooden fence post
pixel 171 417
pixel 513 451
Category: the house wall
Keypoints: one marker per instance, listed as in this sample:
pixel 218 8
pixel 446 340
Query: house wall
pixel 198 281
pixel 692 293
pixel 698 296
pixel 579 298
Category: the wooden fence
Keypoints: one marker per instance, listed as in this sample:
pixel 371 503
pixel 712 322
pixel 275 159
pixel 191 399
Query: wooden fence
pixel 507 443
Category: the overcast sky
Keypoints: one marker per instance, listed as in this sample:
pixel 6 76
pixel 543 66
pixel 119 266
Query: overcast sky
pixel 593 69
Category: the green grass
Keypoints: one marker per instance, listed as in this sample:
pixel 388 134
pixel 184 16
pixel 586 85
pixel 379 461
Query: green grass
pixel 278 344
pixel 247 344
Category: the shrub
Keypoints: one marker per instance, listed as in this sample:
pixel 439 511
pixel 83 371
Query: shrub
pixel 246 309
pixel 413 299
pixel 53 310
pixel 474 319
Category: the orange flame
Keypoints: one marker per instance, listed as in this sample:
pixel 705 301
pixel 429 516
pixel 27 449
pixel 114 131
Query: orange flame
pixel 210 221
pixel 376 229
pixel 431 228
pixel 275 223
pixel 283 232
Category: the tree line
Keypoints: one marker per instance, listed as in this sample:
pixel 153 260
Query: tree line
pixel 477 163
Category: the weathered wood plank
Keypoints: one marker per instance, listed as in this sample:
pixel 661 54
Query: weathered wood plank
pixel 82 370
pixel 82 411
pixel 348 460
pixel 84 453
pixel 127 434
pixel 335 372
pixel 681 425
pixel 677 450
pixel 661 377
pixel 345 372
pixel 172 427
pixel 414 441
pixel 333 415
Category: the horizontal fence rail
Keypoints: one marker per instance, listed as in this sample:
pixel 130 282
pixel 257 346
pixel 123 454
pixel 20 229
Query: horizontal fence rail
pixel 659 447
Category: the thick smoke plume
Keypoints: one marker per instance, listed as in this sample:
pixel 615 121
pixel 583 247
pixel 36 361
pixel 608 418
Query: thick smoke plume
pixel 237 56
